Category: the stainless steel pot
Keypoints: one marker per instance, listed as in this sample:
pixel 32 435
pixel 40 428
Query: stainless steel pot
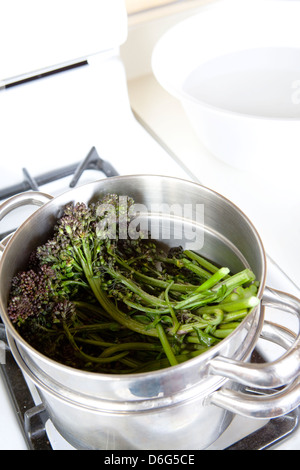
pixel 182 407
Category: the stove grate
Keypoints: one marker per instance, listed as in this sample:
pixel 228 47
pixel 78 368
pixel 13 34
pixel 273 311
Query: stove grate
pixel 31 419
pixel 91 162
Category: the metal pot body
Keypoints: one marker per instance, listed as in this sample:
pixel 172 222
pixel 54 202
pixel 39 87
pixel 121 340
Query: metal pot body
pixel 174 407
pixel 87 422
pixel 177 427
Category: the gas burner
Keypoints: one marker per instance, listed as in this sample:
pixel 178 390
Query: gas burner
pixel 91 162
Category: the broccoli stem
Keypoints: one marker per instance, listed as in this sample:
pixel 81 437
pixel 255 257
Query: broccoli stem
pixel 185 263
pixel 143 308
pixel 243 277
pixel 136 289
pixel 151 281
pixel 190 327
pixel 237 315
pixel 113 326
pixel 173 315
pixel 166 345
pixel 201 261
pixel 136 346
pixel 213 280
pixel 249 302
pixel 101 296
pixel 88 357
pixel 223 333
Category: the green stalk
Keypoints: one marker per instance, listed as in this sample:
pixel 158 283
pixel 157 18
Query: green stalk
pixel 166 345
pixel 87 357
pixel 138 346
pixel 137 290
pixel 142 308
pixel 201 261
pixel 249 302
pixel 215 318
pixel 94 342
pixel 173 315
pixel 221 334
pixel 96 309
pixel 196 300
pixel 192 267
pixel 96 327
pixel 214 279
pixel 164 284
pixel 117 314
pixel 236 280
pixel 185 263
pixel 108 306
pixel 202 338
pixel 226 326
pixel 151 281
pixel 238 315
pixel 190 327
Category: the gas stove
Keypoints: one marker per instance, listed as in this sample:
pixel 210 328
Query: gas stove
pixel 26 424
pixel 66 120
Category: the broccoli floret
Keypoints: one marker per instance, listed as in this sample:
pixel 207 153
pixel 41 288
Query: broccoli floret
pixel 32 293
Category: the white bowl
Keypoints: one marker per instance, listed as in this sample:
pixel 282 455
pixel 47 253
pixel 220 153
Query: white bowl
pixel 235 67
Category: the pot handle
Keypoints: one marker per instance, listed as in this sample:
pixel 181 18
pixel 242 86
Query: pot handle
pixel 259 406
pixel 272 374
pixel 257 403
pixel 269 376
pixel 35 198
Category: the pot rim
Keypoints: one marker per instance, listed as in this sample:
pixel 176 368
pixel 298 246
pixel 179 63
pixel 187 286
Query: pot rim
pixel 213 351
